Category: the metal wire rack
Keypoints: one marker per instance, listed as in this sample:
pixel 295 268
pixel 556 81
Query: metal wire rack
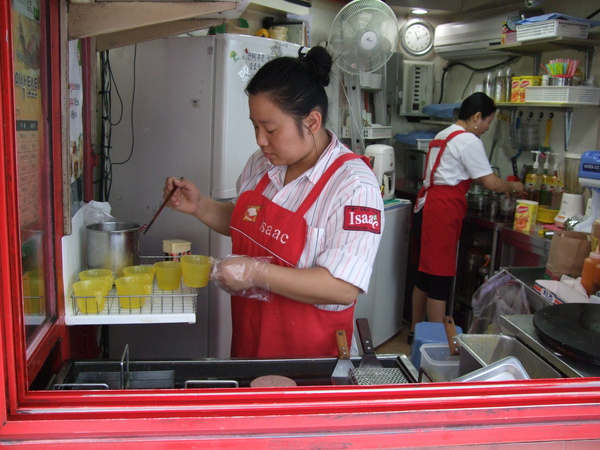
pixel 182 300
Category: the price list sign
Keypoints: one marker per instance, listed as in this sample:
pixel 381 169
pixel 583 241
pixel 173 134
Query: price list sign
pixel 28 108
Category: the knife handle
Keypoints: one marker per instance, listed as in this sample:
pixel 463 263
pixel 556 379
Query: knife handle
pixel 342 344
pixel 450 327
pixel 365 335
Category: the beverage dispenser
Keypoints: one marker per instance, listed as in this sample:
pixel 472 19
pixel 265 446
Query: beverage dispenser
pixel 382 161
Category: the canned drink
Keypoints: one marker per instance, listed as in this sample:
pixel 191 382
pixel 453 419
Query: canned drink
pixel 525 215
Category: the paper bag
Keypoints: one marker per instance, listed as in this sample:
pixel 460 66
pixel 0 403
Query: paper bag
pixel 568 250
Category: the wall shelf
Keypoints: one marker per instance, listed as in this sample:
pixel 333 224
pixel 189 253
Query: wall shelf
pixel 536 47
pixel 566 107
pixel 117 23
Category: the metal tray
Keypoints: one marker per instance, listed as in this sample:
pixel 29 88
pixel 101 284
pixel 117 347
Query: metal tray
pixel 506 369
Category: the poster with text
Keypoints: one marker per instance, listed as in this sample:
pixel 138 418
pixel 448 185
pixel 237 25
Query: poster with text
pixel 28 108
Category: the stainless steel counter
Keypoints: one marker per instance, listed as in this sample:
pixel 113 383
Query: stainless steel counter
pixel 508 244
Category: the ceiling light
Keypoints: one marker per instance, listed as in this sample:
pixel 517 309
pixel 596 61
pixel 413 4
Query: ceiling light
pixel 419 11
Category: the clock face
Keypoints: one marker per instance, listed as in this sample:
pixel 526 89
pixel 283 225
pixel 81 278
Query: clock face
pixel 417 37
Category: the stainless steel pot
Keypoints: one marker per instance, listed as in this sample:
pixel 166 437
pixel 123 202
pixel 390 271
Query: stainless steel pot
pixel 113 245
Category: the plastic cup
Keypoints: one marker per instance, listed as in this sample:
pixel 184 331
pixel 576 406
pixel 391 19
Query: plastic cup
pixel 91 295
pixel 139 270
pixel 133 290
pixel 168 275
pixel 195 269
pixel 105 274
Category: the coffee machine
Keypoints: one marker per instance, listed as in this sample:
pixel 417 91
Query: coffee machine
pixel 383 164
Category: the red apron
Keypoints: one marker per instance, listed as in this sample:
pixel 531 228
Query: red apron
pixel 443 213
pixel 280 327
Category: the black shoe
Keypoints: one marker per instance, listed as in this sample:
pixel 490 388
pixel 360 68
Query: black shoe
pixel 411 336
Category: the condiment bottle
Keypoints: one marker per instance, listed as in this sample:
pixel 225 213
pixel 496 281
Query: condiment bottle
pixel 596 234
pixel 533 180
pixel 587 274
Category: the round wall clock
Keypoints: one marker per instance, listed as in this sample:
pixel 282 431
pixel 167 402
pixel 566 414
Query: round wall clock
pixel 416 37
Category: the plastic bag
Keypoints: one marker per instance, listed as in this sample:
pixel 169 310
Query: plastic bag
pixel 501 295
pixel 244 271
pixel 96 212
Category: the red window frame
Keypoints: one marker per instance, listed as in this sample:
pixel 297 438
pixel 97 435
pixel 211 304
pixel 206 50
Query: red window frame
pixel 452 414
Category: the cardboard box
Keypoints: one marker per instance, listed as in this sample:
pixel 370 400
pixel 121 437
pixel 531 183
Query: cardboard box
pixel 558 292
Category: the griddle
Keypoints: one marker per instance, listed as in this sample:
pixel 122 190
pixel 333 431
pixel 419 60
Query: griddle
pixel 572 329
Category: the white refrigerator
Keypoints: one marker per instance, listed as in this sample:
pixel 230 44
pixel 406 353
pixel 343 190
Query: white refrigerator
pixel 383 304
pixel 182 110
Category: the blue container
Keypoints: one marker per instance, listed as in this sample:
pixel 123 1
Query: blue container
pixel 427 333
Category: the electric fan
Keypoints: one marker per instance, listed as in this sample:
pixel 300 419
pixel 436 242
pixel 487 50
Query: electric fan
pixel 363 36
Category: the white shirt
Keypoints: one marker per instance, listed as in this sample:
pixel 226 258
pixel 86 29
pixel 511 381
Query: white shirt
pixel 347 254
pixel 463 159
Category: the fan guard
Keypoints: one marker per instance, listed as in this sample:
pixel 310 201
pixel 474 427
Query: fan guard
pixel 363 36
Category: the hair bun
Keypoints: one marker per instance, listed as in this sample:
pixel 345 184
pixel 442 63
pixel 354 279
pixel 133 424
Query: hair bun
pixel 320 62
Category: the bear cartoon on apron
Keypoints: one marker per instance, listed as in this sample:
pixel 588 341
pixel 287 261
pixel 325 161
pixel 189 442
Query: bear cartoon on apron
pixel 280 327
pixel 443 213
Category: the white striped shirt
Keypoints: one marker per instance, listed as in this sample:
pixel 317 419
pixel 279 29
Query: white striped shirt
pixel 347 254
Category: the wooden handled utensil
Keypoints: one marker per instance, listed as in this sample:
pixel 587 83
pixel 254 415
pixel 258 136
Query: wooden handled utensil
pixel 341 373
pixel 450 328
pixel 145 228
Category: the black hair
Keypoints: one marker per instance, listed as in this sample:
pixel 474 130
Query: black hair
pixel 474 103
pixel 296 85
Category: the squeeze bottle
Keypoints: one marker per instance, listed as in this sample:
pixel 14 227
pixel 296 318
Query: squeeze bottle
pixel 587 274
pixel 533 179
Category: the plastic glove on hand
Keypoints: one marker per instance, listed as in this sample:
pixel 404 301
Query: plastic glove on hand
pixel 239 275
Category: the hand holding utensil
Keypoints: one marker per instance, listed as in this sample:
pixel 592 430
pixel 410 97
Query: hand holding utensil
pixel 144 229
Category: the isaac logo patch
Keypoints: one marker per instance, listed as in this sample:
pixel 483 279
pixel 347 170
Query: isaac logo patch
pixel 361 218
pixel 251 213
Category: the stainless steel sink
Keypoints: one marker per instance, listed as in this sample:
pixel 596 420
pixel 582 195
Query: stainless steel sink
pixel 480 350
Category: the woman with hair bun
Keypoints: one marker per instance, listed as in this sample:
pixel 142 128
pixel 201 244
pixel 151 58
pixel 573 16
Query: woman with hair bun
pixel 456 158
pixel 305 226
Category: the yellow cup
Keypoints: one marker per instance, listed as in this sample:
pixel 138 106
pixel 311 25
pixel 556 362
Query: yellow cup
pixel 139 270
pixel 130 288
pixel 195 269
pixel 168 274
pixel 105 274
pixel 33 292
pixel 91 295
